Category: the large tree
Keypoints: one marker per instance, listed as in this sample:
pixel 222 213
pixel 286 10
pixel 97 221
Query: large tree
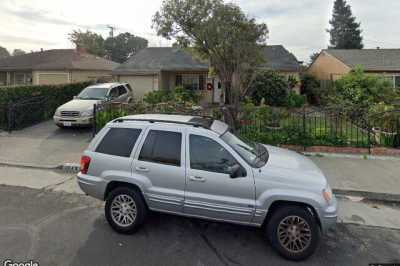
pixel 345 31
pixel 121 47
pixel 18 52
pixel 4 53
pixel 218 32
pixel 92 42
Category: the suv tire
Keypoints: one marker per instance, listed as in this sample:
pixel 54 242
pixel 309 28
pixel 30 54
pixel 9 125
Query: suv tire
pixel 125 210
pixel 294 232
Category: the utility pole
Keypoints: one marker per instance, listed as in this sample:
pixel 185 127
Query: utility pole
pixel 112 28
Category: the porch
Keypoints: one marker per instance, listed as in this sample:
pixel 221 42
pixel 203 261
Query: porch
pixel 198 81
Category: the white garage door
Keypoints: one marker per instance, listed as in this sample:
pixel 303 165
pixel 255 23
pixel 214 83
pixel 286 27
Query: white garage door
pixel 141 84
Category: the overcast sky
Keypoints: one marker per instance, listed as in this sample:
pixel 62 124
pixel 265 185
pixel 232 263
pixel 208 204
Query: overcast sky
pixel 297 24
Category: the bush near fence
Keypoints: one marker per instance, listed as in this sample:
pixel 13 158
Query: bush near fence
pixel 32 104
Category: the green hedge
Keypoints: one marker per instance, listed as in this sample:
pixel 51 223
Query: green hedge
pixel 55 95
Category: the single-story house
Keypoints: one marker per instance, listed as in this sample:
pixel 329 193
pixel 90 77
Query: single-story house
pixel 53 67
pixel 157 68
pixel 332 64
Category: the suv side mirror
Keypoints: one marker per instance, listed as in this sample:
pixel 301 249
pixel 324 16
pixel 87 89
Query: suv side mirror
pixel 75 97
pixel 235 171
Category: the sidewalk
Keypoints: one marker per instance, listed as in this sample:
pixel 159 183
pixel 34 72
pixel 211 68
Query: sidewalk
pixel 361 175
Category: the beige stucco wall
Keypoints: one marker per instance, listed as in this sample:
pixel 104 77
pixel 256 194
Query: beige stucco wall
pixel 84 75
pixel 327 67
pixel 60 77
pixel 141 84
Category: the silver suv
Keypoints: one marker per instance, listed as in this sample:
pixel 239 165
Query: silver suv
pixel 194 166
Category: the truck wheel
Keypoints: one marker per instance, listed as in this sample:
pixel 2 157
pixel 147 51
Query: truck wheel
pixel 125 210
pixel 293 232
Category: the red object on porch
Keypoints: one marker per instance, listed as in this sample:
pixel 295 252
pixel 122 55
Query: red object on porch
pixel 210 86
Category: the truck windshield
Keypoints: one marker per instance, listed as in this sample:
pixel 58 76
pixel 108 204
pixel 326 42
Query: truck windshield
pixel 253 153
pixel 93 93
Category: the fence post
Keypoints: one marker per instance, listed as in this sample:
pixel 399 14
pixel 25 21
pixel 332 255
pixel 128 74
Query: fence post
pixel 369 136
pixel 10 115
pixel 304 129
pixel 94 120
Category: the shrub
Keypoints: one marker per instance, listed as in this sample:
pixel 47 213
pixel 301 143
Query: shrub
pixel 179 95
pixel 271 86
pixel 357 92
pixel 294 100
pixel 311 87
pixel 159 96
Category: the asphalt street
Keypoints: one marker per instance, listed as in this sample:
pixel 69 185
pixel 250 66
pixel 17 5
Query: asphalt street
pixel 58 228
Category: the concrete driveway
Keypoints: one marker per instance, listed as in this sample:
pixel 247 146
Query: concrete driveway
pixel 55 228
pixel 44 144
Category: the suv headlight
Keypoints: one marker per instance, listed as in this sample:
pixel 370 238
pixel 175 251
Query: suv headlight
pixel 327 194
pixel 87 113
pixel 58 112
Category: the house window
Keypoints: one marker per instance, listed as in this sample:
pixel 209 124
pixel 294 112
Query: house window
pixel 397 81
pixel 190 81
pixel 19 78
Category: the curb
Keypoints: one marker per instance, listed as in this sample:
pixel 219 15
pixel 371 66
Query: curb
pixel 30 165
pixel 66 167
pixel 366 195
pixel 350 156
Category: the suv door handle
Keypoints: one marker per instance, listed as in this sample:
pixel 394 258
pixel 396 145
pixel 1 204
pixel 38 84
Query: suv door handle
pixel 142 169
pixel 197 179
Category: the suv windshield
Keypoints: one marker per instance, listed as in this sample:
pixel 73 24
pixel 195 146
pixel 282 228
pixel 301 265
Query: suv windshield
pixel 253 153
pixel 93 93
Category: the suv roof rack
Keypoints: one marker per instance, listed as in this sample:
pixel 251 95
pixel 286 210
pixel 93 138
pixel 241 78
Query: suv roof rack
pixel 192 122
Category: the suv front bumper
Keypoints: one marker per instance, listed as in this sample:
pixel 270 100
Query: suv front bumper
pixel 73 121
pixel 329 216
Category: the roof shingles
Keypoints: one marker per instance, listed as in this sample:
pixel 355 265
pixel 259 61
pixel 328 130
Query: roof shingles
pixel 156 59
pixel 279 59
pixel 369 59
pixel 57 59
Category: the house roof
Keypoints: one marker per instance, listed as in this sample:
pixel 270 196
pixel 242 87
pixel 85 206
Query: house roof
pixel 370 59
pixel 58 59
pixel 278 58
pixel 156 59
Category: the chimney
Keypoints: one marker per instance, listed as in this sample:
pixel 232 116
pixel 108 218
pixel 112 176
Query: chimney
pixel 41 50
pixel 378 48
pixel 80 49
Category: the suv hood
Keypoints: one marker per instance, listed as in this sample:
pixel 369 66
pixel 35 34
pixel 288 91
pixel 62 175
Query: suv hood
pixel 78 105
pixel 290 167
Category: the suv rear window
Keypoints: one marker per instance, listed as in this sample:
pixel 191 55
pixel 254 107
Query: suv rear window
pixel 119 141
pixel 162 147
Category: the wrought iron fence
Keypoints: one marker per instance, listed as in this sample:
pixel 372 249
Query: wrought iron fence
pixel 322 127
pixel 24 113
pixel 279 126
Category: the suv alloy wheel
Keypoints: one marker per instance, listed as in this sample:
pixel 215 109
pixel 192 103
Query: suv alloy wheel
pixel 125 210
pixel 293 231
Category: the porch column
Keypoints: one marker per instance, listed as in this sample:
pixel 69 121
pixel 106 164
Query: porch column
pixel 8 78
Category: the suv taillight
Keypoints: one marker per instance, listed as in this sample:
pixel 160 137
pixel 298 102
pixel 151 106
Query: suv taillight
pixel 85 161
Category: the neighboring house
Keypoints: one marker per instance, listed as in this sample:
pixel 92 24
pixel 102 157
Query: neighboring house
pixel 157 68
pixel 53 67
pixel 279 59
pixel 332 64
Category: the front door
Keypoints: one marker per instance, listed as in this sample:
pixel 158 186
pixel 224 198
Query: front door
pixel 210 191
pixel 161 162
